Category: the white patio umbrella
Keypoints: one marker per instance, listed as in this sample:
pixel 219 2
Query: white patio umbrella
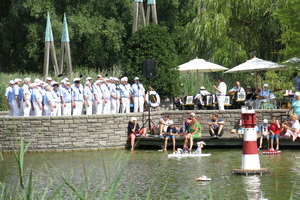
pixel 200 65
pixel 255 65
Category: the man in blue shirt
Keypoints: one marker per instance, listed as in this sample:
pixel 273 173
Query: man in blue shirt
pixel 106 96
pixel 216 126
pixel 26 97
pixel 16 104
pixel 67 99
pixel 77 93
pixel 125 95
pixel 138 92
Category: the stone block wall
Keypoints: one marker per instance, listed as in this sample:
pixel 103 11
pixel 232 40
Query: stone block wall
pixel 96 132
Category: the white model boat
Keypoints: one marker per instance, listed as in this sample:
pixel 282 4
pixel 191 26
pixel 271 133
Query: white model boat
pixel 184 155
pixel 203 178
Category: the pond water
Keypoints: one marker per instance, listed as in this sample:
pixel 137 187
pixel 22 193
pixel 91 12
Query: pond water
pixel 151 171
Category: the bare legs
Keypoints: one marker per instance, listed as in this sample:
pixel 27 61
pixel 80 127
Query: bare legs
pixel 166 144
pixel 189 137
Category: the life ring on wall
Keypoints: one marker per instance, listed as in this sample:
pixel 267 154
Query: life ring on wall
pixel 154 98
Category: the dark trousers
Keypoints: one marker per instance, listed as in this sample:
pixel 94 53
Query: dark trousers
pixel 216 132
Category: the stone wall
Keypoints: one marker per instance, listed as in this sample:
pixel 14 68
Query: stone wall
pixel 95 132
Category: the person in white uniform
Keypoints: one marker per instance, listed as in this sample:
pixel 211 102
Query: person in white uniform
pixel 88 96
pixel 9 96
pixel 106 96
pixel 26 97
pixel 56 97
pixel 77 93
pixel 36 98
pixel 16 101
pixel 49 102
pixel 220 93
pixel 125 89
pixel 98 96
pixel 138 92
pixel 115 96
pixel 67 99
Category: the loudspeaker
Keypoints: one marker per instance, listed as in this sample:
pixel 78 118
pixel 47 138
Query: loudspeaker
pixel 149 66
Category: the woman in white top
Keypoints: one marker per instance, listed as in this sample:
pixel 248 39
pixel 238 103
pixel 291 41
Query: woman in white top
pixel 292 130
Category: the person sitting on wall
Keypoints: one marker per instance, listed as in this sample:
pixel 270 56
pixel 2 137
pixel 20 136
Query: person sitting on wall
pixel 134 130
pixel 188 121
pixel 171 133
pixel 216 126
pixel 163 124
pixel 194 131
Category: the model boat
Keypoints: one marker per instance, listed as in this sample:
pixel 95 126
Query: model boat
pixel 203 178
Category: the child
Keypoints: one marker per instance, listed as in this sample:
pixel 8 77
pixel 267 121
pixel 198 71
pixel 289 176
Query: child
pixel 264 133
pixel 200 146
pixel 171 133
pixel 241 131
pixel 274 133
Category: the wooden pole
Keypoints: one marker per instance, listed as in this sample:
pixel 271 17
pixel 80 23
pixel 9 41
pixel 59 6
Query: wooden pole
pixel 69 61
pixel 54 59
pixel 142 14
pixel 154 14
pixel 135 17
pixel 61 60
pixel 148 15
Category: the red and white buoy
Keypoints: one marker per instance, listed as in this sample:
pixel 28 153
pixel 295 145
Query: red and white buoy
pixel 250 157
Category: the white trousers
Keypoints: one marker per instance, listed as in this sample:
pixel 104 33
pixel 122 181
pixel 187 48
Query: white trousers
pixel 78 108
pixel 37 110
pixel 115 106
pixel 99 107
pixel 126 105
pixel 26 109
pixel 47 110
pixel 58 109
pixel 21 108
pixel 89 108
pixel 221 101
pixel 106 107
pixel 11 111
pixel 15 107
pixel 67 110
pixel 139 104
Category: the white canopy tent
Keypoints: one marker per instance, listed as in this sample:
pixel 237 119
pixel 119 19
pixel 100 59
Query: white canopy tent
pixel 200 65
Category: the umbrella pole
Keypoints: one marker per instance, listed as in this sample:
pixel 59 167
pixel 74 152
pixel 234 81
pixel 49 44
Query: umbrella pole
pixel 256 81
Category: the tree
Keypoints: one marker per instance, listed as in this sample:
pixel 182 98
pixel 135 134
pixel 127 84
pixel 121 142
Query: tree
pixel 230 32
pixel 154 42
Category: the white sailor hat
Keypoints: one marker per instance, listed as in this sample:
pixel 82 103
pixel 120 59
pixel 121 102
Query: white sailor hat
pixel 11 82
pixel 266 85
pixel 116 79
pixel 136 78
pixel 202 88
pixel 40 82
pixel 37 80
pixel 48 79
pixel 133 119
pixel 97 81
pixel 123 79
pixel 27 79
pixel 88 78
pixel 17 80
pixel 66 79
pixel 171 122
pixel 54 83
pixel 99 76
pixel 265 121
pixel 76 79
pixel 67 83
pixel 106 79
pixel 111 78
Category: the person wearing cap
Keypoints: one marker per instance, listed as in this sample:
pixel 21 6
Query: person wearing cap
pixel 36 98
pixel 49 102
pixel 221 91
pixel 125 89
pixel 9 96
pixel 99 77
pixel 48 80
pixel 234 92
pixel 134 130
pixel 194 132
pixel 88 95
pixel 77 94
pixel 172 132
pixel 98 97
pixel 16 104
pixel 201 97
pixel 264 131
pixel 265 92
pixel 216 126
pixel 26 97
pixel 67 99
pixel 106 96
pixel 57 99
pixel 115 96
pixel 138 93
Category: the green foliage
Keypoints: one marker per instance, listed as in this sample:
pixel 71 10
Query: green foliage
pixel 154 42
pixel 229 32
pixel 289 16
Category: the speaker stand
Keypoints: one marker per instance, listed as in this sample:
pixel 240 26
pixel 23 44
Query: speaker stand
pixel 149 120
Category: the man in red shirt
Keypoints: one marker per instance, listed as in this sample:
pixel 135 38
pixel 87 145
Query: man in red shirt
pixel 274 133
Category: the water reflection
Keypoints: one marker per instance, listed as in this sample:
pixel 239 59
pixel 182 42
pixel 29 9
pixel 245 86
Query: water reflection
pixel 253 187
